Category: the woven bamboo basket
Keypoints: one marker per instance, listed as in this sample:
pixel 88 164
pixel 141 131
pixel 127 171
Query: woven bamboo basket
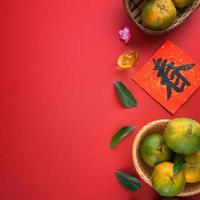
pixel 143 169
pixel 134 8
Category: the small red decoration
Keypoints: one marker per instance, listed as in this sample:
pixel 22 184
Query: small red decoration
pixel 170 76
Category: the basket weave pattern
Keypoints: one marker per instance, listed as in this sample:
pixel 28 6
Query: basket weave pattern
pixel 134 9
pixel 143 169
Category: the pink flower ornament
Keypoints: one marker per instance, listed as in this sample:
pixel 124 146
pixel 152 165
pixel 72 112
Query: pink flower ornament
pixel 125 34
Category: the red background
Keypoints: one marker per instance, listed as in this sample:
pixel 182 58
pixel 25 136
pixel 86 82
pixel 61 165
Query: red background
pixel 57 101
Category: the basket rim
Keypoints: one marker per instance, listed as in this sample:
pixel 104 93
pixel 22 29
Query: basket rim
pixel 134 157
pixel 194 6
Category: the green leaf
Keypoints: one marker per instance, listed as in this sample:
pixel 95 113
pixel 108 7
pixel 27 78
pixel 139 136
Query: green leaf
pixel 128 181
pixel 178 166
pixel 125 96
pixel 123 132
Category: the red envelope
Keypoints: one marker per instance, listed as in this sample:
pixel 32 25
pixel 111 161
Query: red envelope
pixel 170 76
